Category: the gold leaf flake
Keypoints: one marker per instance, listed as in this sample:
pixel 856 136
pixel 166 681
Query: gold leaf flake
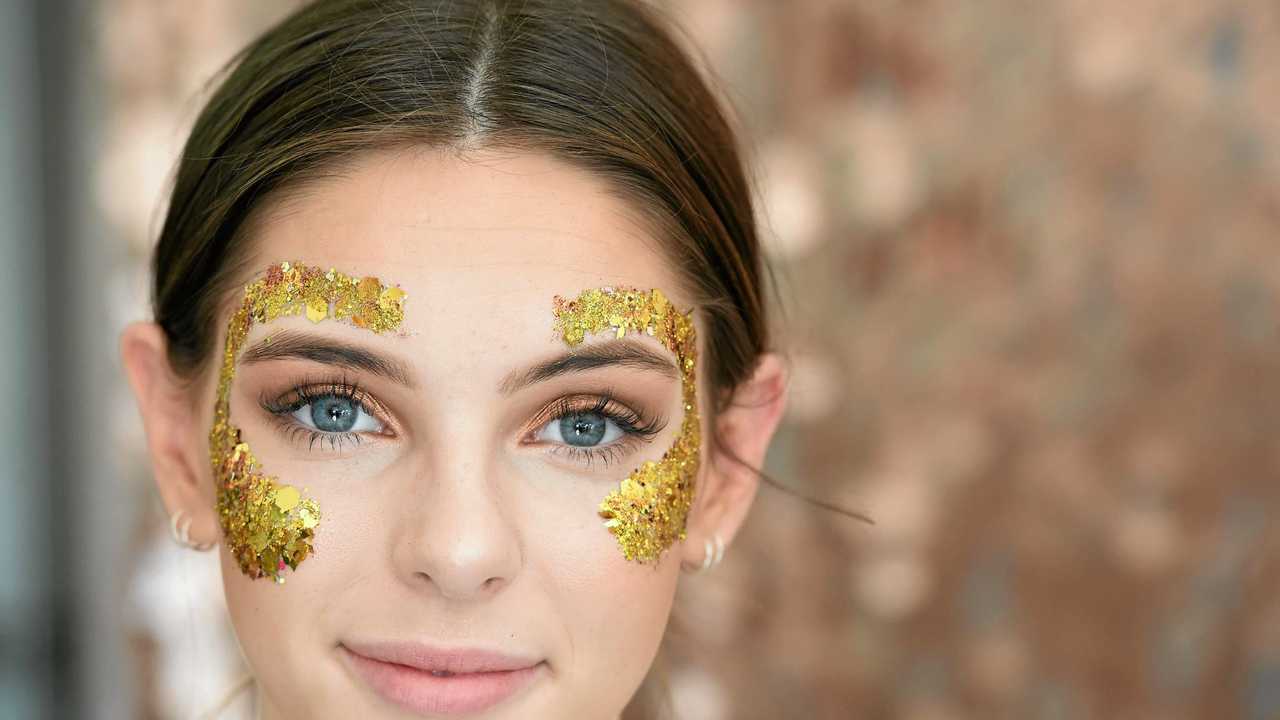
pixel 287 497
pixel 317 309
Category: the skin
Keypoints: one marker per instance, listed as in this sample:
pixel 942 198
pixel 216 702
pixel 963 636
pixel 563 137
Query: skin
pixel 459 525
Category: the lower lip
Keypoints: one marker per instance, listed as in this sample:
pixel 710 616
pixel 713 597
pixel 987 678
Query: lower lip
pixel 427 694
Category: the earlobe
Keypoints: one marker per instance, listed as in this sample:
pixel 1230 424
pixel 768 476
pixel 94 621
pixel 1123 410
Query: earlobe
pixel 168 417
pixel 736 454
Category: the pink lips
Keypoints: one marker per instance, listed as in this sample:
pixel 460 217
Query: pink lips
pixel 431 681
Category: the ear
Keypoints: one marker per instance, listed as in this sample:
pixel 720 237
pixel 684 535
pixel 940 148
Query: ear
pixel 167 404
pixel 742 433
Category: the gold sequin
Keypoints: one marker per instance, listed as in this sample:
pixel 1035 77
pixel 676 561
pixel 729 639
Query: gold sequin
pixel 648 510
pixel 268 526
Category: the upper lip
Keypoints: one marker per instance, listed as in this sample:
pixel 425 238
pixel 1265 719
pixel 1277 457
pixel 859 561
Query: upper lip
pixel 436 659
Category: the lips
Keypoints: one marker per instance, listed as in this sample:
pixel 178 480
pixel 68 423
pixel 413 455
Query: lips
pixel 434 681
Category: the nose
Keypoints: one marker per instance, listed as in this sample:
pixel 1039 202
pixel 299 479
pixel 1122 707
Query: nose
pixel 458 539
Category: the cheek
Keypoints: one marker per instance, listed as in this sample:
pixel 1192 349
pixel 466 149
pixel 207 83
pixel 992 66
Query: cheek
pixel 275 626
pixel 288 632
pixel 616 610
pixel 296 606
pixel 328 483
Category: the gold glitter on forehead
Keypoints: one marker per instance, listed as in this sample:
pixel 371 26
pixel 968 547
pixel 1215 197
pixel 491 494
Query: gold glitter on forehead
pixel 648 510
pixel 268 526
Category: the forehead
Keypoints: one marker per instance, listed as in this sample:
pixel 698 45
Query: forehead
pixel 492 230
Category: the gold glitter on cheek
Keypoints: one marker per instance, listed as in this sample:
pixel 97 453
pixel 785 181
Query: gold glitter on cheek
pixel 648 510
pixel 268 526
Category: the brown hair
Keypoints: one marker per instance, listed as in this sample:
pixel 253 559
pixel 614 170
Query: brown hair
pixel 600 84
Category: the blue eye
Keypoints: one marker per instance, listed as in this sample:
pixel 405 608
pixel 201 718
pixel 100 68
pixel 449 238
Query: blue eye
pixel 333 413
pixel 580 429
pixel 583 429
pixel 594 429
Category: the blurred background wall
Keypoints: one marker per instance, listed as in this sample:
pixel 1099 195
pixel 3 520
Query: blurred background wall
pixel 1029 264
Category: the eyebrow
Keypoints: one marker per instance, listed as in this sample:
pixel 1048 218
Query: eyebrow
pixel 626 352
pixel 291 344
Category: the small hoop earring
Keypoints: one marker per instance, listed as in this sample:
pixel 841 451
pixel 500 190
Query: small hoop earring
pixel 180 531
pixel 719 551
pixel 712 553
pixel 708 556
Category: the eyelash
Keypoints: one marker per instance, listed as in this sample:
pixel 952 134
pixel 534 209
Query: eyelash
pixel 634 426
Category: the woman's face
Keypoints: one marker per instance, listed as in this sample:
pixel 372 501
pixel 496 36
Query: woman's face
pixel 458 494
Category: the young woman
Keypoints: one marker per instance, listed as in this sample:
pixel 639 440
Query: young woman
pixel 459 354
